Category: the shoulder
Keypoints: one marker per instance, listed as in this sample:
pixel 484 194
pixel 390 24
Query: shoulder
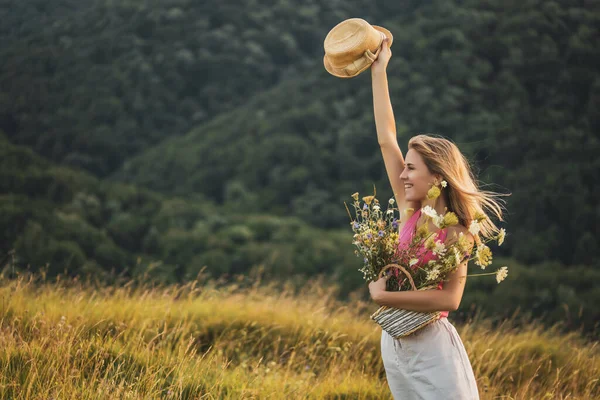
pixel 454 231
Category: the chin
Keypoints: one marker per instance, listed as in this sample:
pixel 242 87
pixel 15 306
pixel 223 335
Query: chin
pixel 413 198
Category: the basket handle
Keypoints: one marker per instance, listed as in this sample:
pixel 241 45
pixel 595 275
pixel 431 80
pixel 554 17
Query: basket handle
pixel 402 269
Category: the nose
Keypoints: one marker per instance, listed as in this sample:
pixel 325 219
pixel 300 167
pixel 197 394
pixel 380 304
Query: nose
pixel 403 175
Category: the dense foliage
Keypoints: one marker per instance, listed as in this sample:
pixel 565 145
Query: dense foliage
pixel 102 80
pixel 228 107
pixel 515 85
pixel 76 223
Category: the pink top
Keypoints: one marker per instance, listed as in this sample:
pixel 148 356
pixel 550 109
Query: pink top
pixel 406 236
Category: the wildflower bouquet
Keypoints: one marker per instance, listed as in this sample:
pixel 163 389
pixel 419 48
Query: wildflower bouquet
pixel 376 238
pixel 375 234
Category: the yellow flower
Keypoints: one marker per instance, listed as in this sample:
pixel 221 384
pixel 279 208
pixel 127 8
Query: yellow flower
pixel 501 274
pixel 450 219
pixel 355 196
pixel 483 256
pixel 501 236
pixel 368 199
pixel 430 242
pixel 423 231
pixel 479 216
pixel 433 193
pixel 463 242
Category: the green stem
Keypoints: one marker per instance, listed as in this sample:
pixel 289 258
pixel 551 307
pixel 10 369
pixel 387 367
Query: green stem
pixel 490 273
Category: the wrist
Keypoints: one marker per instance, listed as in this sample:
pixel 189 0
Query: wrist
pixel 378 296
pixel 378 71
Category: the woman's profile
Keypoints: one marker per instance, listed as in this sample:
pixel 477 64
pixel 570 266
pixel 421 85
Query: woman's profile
pixel 431 363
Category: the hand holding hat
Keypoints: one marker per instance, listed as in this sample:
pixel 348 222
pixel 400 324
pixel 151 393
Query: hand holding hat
pixel 353 45
pixel 385 54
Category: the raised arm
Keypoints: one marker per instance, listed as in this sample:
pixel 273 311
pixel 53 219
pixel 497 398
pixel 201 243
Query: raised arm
pixel 386 125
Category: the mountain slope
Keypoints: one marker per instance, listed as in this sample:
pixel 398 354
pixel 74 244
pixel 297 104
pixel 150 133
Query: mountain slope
pixel 73 222
pixel 514 84
pixel 90 83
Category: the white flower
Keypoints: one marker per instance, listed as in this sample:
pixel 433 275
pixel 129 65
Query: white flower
pixel 376 207
pixel 438 221
pixel 391 201
pixel 433 274
pixel 413 262
pixel 501 274
pixel 457 256
pixel 501 236
pixel 440 248
pixel 390 211
pixel 430 212
pixel 474 227
pixel 444 183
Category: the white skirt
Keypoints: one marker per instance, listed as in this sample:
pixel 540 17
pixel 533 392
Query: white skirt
pixel 430 364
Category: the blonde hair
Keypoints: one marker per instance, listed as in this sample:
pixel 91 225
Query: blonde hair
pixel 462 194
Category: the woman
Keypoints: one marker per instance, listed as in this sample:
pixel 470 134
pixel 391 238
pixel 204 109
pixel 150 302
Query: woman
pixel 431 363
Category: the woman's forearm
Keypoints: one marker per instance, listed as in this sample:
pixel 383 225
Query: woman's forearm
pixel 417 300
pixel 382 107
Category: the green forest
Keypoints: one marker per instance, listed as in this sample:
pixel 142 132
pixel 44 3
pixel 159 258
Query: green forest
pixel 169 138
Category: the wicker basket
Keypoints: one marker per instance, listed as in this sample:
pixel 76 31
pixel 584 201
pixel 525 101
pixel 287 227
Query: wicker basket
pixel 397 322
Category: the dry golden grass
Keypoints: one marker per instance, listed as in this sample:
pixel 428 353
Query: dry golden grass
pixel 71 340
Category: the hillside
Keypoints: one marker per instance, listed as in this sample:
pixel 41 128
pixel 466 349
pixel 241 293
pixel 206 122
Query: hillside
pixel 515 85
pixel 90 83
pixel 165 138
pixel 67 221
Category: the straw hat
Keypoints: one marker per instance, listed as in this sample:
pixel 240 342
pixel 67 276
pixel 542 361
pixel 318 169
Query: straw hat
pixel 352 46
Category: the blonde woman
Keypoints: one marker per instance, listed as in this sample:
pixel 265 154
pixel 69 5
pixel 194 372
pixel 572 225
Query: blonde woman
pixel 431 363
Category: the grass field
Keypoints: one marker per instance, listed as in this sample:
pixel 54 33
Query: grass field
pixel 209 340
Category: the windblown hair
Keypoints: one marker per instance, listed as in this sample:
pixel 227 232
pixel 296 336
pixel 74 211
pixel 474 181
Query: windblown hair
pixel 462 193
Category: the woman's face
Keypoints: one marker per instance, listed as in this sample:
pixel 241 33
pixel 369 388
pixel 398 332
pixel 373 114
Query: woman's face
pixel 416 177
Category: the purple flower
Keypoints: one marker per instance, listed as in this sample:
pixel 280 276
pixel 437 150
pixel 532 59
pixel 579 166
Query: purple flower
pixel 395 223
pixel 369 236
pixel 365 207
pixel 365 260
pixel 381 233
pixel 356 225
